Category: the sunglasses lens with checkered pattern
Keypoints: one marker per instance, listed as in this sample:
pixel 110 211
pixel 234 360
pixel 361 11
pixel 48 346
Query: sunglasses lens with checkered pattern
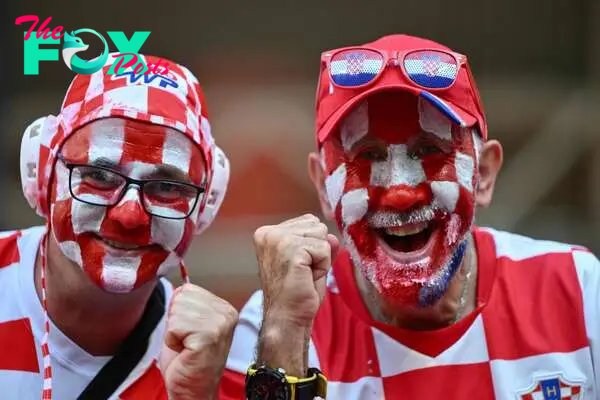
pixel 431 69
pixel 356 67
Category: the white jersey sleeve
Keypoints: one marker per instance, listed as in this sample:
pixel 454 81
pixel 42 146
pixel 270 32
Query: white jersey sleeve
pixel 245 338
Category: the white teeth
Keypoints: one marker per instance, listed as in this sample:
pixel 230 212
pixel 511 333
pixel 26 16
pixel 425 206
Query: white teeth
pixel 402 231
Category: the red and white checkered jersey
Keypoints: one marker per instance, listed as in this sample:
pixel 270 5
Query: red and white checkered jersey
pixel 534 334
pixel 22 328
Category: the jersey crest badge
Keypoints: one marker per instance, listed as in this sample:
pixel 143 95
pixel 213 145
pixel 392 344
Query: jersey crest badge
pixel 552 388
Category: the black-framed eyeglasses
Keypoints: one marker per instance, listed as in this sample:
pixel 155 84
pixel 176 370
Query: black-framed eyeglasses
pixel 102 186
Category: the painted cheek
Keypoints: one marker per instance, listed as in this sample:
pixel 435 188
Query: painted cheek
pixel 186 238
pixel 60 214
pixel 167 233
pixel 359 174
pixel 175 234
pixel 70 216
pixel 62 228
pixel 363 238
pixel 93 254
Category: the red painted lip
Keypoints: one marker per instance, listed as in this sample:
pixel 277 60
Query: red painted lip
pixel 112 247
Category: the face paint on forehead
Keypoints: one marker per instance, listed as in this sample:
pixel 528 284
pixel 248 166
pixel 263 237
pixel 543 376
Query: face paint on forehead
pixel 136 147
pixel 177 151
pixel 101 139
pixel 433 121
pixel 355 126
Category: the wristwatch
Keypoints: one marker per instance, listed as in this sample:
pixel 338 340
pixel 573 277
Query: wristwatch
pixel 266 383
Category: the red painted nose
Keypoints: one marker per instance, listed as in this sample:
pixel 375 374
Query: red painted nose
pixel 405 198
pixel 129 213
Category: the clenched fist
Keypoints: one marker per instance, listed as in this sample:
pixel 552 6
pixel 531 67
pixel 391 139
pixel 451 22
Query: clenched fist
pixel 198 337
pixel 294 258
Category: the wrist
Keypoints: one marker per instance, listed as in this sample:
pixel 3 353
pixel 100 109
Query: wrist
pixel 284 318
pixel 283 343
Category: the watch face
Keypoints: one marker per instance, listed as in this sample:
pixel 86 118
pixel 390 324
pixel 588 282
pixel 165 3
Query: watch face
pixel 267 385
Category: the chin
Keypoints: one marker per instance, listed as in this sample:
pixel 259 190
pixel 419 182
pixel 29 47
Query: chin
pixel 409 264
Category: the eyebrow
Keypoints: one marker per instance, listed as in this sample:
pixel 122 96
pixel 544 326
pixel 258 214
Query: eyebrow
pixel 365 140
pixel 172 173
pixel 104 162
pixel 162 171
pixel 432 137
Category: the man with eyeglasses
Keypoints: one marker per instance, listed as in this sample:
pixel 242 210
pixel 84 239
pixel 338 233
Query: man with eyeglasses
pixel 419 303
pixel 124 176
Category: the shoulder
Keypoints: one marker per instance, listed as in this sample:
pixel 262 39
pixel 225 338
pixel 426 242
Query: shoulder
pixel 17 246
pixel 519 247
pixel 522 258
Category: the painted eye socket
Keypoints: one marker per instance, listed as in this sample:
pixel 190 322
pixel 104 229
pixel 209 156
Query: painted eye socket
pixel 98 178
pixel 372 153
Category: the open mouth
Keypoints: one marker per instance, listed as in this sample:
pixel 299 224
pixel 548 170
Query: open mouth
pixel 410 242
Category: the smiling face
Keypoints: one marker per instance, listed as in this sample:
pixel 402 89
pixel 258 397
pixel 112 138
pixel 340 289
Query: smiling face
pixel 121 247
pixel 400 178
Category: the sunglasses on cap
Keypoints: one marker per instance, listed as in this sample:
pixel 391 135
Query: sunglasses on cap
pixel 356 67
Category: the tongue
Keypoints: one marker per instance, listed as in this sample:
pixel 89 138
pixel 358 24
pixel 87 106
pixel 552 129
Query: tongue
pixel 408 243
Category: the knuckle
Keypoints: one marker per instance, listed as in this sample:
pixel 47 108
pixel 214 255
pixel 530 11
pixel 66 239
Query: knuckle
pixel 311 217
pixel 212 334
pixel 260 233
pixel 284 242
pixel 231 315
pixel 297 259
pixel 323 229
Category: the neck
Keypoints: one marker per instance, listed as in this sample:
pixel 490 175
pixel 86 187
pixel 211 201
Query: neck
pixel 446 311
pixel 96 320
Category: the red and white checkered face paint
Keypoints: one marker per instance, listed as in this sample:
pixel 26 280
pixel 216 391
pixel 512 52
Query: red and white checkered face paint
pixel 401 177
pixel 122 247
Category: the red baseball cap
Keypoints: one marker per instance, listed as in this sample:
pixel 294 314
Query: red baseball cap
pixel 460 101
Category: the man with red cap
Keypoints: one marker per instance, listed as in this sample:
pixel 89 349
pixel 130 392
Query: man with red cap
pixel 420 303
pixel 124 176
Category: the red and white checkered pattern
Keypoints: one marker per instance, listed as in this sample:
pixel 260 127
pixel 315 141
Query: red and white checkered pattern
pixel 538 314
pixel 27 347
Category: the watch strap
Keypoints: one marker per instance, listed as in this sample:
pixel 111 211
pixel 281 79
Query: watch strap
pixel 301 388
pixel 309 388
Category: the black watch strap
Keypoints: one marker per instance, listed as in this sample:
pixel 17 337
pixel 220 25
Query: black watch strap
pixel 308 390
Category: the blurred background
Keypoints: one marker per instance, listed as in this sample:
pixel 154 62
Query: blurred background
pixel 537 64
